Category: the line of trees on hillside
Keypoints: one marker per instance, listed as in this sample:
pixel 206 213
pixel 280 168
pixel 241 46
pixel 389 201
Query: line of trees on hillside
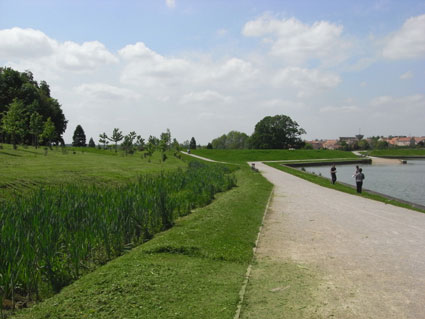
pixel 28 114
pixel 272 132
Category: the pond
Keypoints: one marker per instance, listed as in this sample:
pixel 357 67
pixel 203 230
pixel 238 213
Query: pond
pixel 404 181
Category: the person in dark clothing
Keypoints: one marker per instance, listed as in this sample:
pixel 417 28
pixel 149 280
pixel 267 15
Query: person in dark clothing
pixel 333 173
pixel 359 180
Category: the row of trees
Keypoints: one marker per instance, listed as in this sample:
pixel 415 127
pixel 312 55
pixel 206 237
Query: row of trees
pixel 272 132
pixel 28 114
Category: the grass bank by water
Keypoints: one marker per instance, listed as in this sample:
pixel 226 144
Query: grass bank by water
pixel 322 181
pixel 193 270
pixel 399 152
pixel 243 156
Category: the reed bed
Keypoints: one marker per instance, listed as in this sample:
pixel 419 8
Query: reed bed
pixel 49 238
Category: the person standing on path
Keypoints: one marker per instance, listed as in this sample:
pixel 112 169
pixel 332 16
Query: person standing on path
pixel 333 173
pixel 359 176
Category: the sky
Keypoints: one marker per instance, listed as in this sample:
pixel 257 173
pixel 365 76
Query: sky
pixel 205 67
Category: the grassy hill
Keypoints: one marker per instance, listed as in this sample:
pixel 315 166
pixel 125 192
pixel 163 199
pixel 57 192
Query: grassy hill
pixel 28 168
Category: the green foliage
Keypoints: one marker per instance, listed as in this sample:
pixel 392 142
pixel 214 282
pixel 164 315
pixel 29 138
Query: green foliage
pixel 55 233
pixel 13 123
pixel 36 127
pixel 233 140
pixel 91 143
pixel 104 139
pixel 209 146
pixel 35 99
pixel 49 132
pixel 192 144
pixel 128 143
pixel 277 132
pixel 79 137
pixel 116 137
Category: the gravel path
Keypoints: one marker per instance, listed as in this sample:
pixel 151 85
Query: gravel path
pixel 370 256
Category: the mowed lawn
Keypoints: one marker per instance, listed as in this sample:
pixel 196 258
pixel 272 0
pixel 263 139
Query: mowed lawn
pixel 243 156
pixel 29 168
pixel 399 152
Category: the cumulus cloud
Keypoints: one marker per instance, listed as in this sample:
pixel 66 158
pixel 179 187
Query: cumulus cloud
pixel 415 102
pixel 340 109
pixel 297 42
pixel 408 42
pixel 305 81
pixel 36 47
pixel 205 97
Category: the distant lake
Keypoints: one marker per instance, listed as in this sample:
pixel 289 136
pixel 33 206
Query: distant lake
pixel 404 181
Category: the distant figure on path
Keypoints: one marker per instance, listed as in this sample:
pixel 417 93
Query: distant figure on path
pixel 333 173
pixel 359 180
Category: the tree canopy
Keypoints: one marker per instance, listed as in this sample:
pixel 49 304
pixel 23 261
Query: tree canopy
pixel 277 132
pixel 33 97
pixel 79 137
pixel 233 140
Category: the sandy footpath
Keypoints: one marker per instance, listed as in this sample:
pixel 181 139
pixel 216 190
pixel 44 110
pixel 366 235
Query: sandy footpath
pixel 370 257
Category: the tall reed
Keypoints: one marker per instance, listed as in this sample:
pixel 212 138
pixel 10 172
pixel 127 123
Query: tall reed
pixel 50 237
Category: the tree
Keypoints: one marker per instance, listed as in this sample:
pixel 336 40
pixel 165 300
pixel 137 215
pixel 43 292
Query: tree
pixel 116 137
pixel 49 132
pixel 91 143
pixel 166 138
pixel 127 144
pixel 140 143
pixel 103 139
pixel 209 146
pixel 79 137
pixel 233 140
pixel 277 132
pixel 14 122
pixel 36 127
pixel 192 144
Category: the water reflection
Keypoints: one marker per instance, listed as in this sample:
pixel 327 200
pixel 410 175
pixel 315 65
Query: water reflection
pixel 404 181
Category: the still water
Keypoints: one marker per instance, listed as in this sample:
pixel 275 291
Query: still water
pixel 404 181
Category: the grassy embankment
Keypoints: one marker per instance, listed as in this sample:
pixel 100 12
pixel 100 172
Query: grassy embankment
pixel 399 152
pixel 29 168
pixel 193 270
pixel 243 156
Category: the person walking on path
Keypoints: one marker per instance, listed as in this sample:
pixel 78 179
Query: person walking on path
pixel 333 173
pixel 359 176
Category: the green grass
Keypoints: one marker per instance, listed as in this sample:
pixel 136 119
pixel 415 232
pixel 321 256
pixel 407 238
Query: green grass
pixel 29 168
pixel 193 270
pixel 340 187
pixel 399 152
pixel 243 156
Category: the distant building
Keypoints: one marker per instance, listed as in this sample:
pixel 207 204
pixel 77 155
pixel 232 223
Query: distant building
pixel 316 144
pixel 331 144
pixel 349 140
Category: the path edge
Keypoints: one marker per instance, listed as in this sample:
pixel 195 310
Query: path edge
pixel 248 270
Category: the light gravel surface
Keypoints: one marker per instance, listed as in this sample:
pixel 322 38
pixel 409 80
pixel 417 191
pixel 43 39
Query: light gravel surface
pixel 369 256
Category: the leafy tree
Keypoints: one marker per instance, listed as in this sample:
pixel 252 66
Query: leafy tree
pixel 166 138
pixel 209 146
pixel 277 132
pixel 192 144
pixel 175 145
pixel 49 132
pixel 127 144
pixel 36 127
pixel 233 140
pixel 151 146
pixel 79 137
pixel 14 122
pixel 104 139
pixel 91 143
pixel 116 137
pixel 140 143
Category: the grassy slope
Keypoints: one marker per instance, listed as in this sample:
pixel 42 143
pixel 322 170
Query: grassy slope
pixel 194 270
pixel 399 152
pixel 243 156
pixel 322 181
pixel 28 167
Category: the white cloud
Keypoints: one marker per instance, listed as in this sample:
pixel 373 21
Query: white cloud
pixel 340 109
pixel 204 97
pixel 408 42
pixel 297 42
pixel 170 3
pixel 305 81
pixel 102 91
pixel 407 75
pixel 415 102
pixel 35 47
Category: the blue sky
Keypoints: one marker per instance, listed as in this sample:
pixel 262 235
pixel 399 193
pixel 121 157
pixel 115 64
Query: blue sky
pixel 203 68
